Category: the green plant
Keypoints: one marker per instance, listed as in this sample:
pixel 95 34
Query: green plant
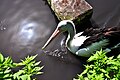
pixel 101 67
pixel 29 67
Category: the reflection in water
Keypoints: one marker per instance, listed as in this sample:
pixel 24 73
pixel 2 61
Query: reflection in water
pixel 27 33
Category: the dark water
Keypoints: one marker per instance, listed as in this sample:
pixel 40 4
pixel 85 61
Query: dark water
pixel 106 12
pixel 25 25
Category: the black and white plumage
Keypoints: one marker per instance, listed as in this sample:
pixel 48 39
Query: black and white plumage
pixel 82 44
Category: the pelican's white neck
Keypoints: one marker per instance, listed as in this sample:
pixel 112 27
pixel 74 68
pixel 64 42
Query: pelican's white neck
pixel 71 33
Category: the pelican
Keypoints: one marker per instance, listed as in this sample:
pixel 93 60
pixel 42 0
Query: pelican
pixel 75 41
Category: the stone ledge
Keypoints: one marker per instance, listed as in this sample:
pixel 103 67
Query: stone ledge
pixel 71 9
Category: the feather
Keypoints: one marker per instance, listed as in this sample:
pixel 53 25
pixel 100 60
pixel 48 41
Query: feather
pixel 86 52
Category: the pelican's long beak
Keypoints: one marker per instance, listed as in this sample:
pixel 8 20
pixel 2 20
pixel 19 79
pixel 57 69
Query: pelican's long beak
pixel 55 33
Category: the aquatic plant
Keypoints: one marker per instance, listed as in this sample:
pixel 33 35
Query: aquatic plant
pixel 101 67
pixel 28 68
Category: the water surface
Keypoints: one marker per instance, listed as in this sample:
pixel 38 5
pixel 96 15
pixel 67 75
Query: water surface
pixel 25 25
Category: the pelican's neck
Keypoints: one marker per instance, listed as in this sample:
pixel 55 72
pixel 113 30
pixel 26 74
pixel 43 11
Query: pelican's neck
pixel 71 33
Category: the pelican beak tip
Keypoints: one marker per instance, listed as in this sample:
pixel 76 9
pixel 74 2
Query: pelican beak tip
pixel 43 48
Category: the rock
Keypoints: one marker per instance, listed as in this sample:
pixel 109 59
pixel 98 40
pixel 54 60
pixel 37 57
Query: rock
pixel 71 9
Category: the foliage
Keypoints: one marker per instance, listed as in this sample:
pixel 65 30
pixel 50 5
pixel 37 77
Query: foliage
pixel 29 67
pixel 101 67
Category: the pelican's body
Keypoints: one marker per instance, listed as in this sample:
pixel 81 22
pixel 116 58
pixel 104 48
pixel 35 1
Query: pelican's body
pixel 74 41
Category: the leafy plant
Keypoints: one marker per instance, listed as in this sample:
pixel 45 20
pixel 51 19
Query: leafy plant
pixel 101 67
pixel 29 67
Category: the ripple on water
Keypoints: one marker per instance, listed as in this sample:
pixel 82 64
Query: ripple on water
pixel 56 53
pixel 2 27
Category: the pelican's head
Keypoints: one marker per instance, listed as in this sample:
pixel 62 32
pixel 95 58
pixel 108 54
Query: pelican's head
pixel 65 25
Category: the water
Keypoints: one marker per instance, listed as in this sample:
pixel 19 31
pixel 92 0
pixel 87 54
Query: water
pixel 106 13
pixel 2 25
pixel 25 26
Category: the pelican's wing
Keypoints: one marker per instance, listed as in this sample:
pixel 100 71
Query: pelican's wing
pixel 78 34
pixel 78 41
pixel 86 52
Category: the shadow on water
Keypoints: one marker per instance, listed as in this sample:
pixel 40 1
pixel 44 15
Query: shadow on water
pixel 25 25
